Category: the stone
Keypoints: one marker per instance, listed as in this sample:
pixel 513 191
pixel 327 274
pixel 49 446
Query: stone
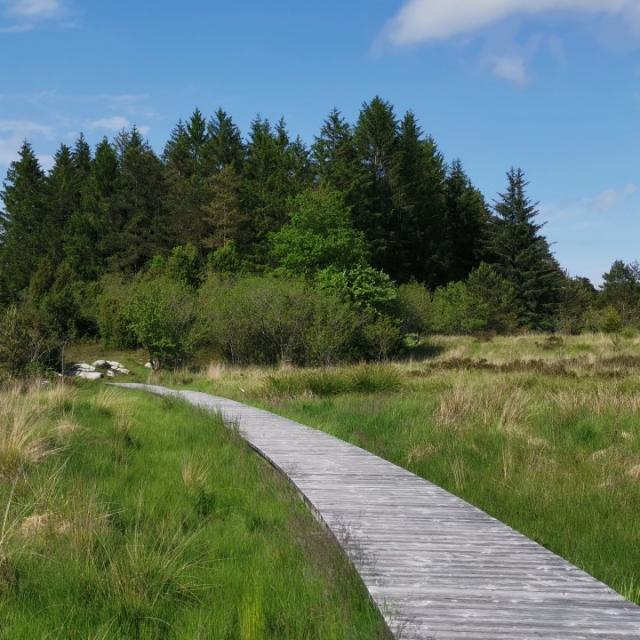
pixel 88 375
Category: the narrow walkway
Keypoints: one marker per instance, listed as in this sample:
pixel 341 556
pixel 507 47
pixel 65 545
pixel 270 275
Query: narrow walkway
pixel 437 567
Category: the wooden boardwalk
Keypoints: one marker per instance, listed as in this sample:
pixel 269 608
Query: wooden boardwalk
pixel 437 567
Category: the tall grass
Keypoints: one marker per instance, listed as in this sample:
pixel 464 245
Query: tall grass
pixel 128 516
pixel 542 434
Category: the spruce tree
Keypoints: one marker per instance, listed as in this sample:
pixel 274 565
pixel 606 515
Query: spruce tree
pixel 225 218
pixel 467 219
pixel 376 138
pixel 416 233
pixel 275 170
pixel 335 157
pixel 522 255
pixel 139 227
pixel 224 146
pixel 24 225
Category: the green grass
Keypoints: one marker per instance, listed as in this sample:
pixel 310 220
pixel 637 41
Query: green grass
pixel 130 516
pixel 542 434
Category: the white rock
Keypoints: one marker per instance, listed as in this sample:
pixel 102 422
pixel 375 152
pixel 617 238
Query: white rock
pixel 89 375
pixel 81 366
pixel 111 366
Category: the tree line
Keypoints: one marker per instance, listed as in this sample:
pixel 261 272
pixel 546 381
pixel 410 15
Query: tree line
pixel 366 212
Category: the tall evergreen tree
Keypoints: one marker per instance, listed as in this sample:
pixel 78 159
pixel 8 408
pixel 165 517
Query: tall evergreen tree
pixel 186 161
pixel 139 227
pixel 467 220
pixel 376 138
pixel 62 201
pixel 522 255
pixel 224 214
pixel 224 146
pixel 335 157
pixel 416 233
pixel 24 225
pixel 275 169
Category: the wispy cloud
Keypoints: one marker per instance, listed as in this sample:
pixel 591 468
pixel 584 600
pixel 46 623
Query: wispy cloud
pixel 26 15
pixel 610 198
pixel 584 211
pixel 14 132
pixel 35 9
pixel 510 68
pixel 113 123
pixel 431 20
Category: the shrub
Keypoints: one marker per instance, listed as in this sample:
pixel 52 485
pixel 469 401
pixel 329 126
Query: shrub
pixel 184 265
pixel 24 346
pixel 414 307
pixel 160 313
pixel 111 311
pixel 607 320
pixel 455 309
pixel 265 320
pixel 497 296
pixel 383 338
pixel 225 259
pixel 362 286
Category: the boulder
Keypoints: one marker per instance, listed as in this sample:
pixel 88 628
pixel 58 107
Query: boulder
pixel 111 367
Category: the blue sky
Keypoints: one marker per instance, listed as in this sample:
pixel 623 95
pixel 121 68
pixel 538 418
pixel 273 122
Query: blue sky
pixel 549 85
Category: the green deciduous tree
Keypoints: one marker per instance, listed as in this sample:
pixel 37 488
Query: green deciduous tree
pixel 318 235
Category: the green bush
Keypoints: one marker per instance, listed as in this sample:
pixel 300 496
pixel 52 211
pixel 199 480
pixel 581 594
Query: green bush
pixel 265 320
pixel 497 298
pixel 382 337
pixel 24 346
pixel 455 309
pixel 362 286
pixel 160 314
pixel 111 311
pixel 414 307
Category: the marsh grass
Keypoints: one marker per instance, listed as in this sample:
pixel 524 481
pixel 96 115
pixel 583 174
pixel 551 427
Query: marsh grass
pixel 138 517
pixel 543 434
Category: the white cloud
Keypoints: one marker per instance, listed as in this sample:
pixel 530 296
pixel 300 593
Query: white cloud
pixel 610 198
pixel 428 20
pixel 510 68
pixel 12 135
pixel 35 9
pixel 113 123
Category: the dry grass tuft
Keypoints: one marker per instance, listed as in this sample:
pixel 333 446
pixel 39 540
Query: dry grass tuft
pixel 194 473
pixel 634 472
pixel 25 437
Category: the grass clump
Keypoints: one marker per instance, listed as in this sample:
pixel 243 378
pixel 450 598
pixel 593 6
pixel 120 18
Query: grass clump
pixel 373 378
pixel 136 517
pixel 541 433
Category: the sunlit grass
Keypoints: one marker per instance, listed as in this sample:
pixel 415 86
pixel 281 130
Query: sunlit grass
pixel 542 433
pixel 130 516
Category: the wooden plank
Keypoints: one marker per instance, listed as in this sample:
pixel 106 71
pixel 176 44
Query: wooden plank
pixel 437 567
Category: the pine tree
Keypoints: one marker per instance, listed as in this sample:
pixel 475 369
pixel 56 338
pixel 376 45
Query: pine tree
pixel 415 228
pixel 62 199
pixel 275 169
pixel 24 226
pixel 376 137
pixel 522 255
pixel 224 215
pixel 138 227
pixel 224 146
pixel 466 222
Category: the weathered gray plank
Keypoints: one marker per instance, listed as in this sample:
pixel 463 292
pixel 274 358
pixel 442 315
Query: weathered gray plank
pixel 437 567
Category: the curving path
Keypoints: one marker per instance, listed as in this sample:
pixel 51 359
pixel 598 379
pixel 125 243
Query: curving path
pixel 437 567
